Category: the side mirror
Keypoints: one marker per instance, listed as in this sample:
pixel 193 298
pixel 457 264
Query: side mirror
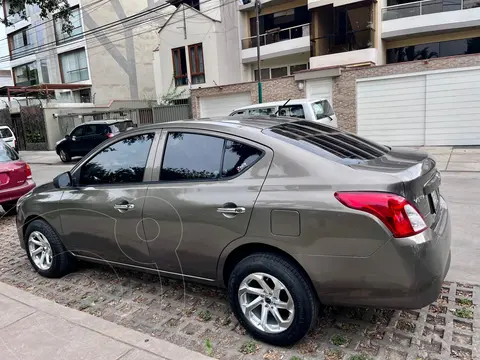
pixel 63 180
pixel 67 136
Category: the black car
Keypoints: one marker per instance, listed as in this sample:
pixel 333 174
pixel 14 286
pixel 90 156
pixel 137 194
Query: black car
pixel 87 136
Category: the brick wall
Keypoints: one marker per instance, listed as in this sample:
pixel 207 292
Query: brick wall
pixel 344 86
pixel 273 90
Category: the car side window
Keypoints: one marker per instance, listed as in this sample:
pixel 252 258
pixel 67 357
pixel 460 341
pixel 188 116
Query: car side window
pixel 89 130
pixel 191 157
pixel 238 157
pixel 121 162
pixel 293 111
pixel 78 131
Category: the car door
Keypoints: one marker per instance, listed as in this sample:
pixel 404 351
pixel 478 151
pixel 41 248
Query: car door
pixel 89 140
pixel 75 141
pixel 101 214
pixel 206 188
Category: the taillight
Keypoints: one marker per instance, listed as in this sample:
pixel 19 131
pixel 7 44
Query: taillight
pixel 109 135
pixel 28 171
pixel 397 213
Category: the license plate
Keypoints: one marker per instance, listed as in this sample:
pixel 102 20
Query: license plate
pixel 435 200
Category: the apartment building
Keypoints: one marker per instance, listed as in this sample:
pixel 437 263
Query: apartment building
pixel 86 65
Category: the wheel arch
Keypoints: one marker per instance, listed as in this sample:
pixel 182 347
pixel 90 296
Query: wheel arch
pixel 244 250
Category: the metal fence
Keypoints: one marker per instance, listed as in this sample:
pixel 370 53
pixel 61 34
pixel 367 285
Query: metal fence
pixel 140 116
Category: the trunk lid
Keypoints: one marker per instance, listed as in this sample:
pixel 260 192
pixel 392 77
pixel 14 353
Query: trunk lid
pixel 418 173
pixel 12 174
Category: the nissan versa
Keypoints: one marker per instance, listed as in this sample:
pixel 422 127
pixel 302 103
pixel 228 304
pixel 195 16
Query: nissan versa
pixel 287 214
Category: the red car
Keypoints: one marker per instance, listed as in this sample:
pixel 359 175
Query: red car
pixel 15 178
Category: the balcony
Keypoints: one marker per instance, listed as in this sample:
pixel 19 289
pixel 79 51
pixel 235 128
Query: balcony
pixel 277 42
pixel 428 16
pixel 343 49
pixel 22 51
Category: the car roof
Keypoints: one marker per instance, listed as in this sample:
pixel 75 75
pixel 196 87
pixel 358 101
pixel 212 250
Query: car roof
pixel 237 124
pixel 5 127
pixel 104 122
pixel 279 103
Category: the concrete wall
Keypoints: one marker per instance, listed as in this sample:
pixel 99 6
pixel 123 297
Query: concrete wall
pixel 220 41
pixel 121 59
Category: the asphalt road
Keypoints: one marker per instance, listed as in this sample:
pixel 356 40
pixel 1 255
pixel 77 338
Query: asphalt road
pixel 460 189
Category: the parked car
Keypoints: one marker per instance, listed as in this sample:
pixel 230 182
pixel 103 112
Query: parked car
pixel 286 213
pixel 319 110
pixel 15 177
pixel 7 135
pixel 87 136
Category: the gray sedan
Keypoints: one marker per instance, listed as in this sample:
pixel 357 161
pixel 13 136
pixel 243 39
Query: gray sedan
pixel 286 214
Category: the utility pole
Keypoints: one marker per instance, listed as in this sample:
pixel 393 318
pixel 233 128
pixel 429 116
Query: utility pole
pixel 257 12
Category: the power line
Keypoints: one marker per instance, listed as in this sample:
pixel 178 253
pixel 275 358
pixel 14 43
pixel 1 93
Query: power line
pixel 82 9
pixel 112 25
pixel 93 31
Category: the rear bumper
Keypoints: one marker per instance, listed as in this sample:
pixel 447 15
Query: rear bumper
pixel 403 273
pixel 13 194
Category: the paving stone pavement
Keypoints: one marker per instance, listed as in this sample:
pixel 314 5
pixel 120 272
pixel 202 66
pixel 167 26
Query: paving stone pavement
pixel 199 318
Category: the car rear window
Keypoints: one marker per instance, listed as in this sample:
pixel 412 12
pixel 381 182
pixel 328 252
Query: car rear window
pixel 7 153
pixel 5 133
pixel 327 141
pixel 121 126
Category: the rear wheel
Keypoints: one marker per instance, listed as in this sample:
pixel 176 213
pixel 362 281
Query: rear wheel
pixel 10 208
pixel 45 251
pixel 272 299
pixel 64 155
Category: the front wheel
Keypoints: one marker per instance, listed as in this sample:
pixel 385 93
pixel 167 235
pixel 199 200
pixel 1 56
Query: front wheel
pixel 45 251
pixel 272 299
pixel 64 155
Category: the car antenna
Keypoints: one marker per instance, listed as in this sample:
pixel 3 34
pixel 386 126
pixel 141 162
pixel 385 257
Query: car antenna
pixel 286 102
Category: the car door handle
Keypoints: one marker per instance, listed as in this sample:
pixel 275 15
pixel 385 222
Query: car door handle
pixel 123 207
pixel 232 210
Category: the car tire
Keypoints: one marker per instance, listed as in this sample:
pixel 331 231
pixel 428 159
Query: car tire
pixel 297 295
pixel 64 156
pixel 40 235
pixel 10 208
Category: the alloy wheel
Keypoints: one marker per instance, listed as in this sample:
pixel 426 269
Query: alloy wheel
pixel 40 250
pixel 63 156
pixel 266 303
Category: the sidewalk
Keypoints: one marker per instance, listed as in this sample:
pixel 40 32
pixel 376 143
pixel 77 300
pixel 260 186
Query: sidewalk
pixel 34 328
pixel 455 158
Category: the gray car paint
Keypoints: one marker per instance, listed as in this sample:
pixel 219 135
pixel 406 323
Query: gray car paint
pixel 350 256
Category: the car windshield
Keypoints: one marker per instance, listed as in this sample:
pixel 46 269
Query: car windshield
pixel 5 133
pixel 322 109
pixel 328 142
pixel 7 153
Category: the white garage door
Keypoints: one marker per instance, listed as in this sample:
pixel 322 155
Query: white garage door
pixel 319 89
pixel 435 108
pixel 223 105
pixel 392 111
pixel 453 108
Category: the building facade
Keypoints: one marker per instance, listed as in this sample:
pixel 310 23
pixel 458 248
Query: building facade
pixel 107 56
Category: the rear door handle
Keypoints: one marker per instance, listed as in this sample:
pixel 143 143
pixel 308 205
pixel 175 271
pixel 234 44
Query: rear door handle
pixel 123 207
pixel 232 211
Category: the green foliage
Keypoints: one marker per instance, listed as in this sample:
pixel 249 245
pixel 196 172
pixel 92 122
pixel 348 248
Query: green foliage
pixel 60 7
pixel 339 340
pixel 464 313
pixel 250 347
pixel 208 347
